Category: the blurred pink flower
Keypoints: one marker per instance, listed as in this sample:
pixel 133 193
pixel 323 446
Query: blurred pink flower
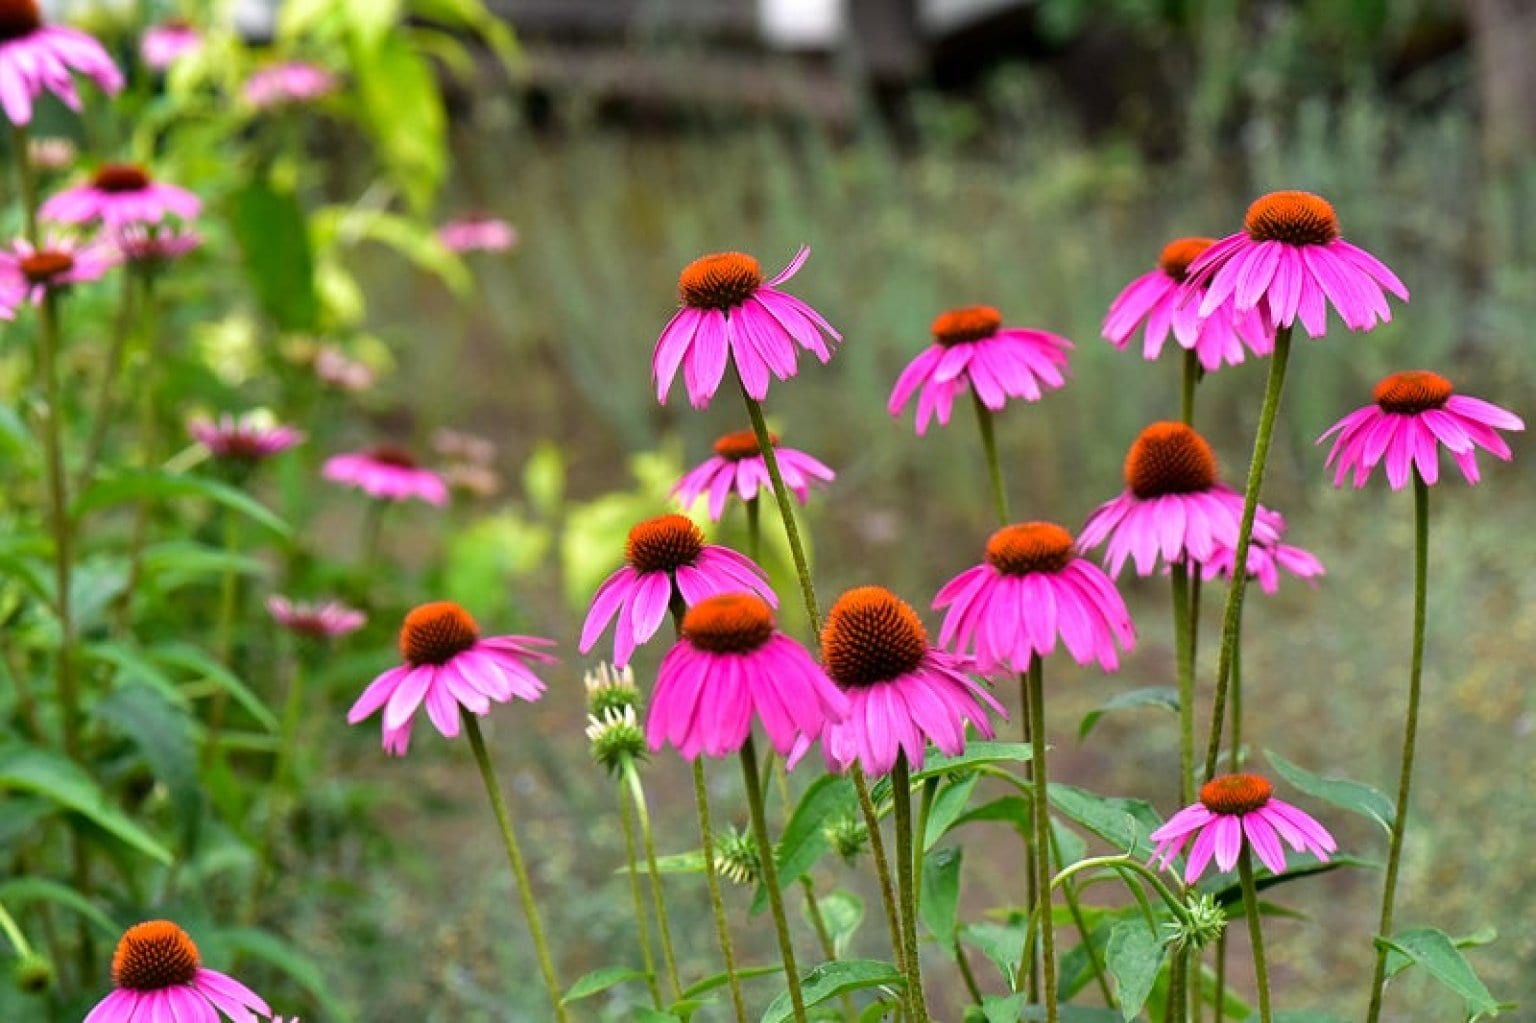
pixel 119 194
pixel 245 438
pixel 1235 809
pixel 164 44
pixel 737 466
pixel 1265 560
pixel 477 234
pixel 335 369
pixel 292 82
pixel 35 58
pixel 323 620
pixel 155 244
pixel 158 974
pixel 449 666
pixel 28 272
pixel 387 473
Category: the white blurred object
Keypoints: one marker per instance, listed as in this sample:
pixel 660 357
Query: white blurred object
pixel 801 24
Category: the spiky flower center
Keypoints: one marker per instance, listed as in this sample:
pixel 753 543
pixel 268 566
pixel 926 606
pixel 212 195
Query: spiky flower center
pixel 43 266
pixel 1295 218
pixel 18 18
pixel 153 956
pixel 117 178
pixel 393 456
pixel 664 544
pixel 1179 253
pixel 1169 458
pixel 731 623
pixel 1030 547
pixel 1412 391
pixel 871 636
pixel 733 447
pixel 436 633
pixel 1235 794
pixel 972 323
pixel 722 280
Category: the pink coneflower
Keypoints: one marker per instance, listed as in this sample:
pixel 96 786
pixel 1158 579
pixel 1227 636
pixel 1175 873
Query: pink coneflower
pixel 164 44
pixel 1174 504
pixel 154 245
pixel 1415 412
pixel 477 234
pixel 972 348
pixel 387 473
pixel 664 555
pixel 250 437
pixel 293 82
pixel 449 666
pixel 119 194
pixel 35 58
pixel 1234 809
pixel 1163 302
pixel 728 311
pixel 1032 588
pixel 737 465
pixel 1266 560
pixel 60 261
pixel 464 447
pixel 158 974
pixel 730 665
pixel 1289 263
pixel 901 692
pixel 335 369
pixel 322 620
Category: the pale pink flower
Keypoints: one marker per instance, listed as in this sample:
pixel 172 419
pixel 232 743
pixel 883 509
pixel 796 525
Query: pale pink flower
pixel 164 44
pixel 738 467
pixel 387 473
pixel 292 82
pixel 1234 810
pixel 250 437
pixel 158 975
pixel 477 234
pixel 322 620
pixel 35 58
pixel 154 245
pixel 119 194
pixel 335 369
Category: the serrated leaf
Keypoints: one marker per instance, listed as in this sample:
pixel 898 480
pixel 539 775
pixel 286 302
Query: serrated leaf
pixel 599 980
pixel 1123 823
pixel 1165 697
pixel 19 891
pixel 1133 956
pixel 979 752
pixel 940 882
pixel 1437 953
pixel 1356 797
pixel 158 485
pixel 28 769
pixel 947 806
pixel 829 980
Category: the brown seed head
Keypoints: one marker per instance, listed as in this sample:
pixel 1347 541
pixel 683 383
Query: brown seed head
pixel 870 636
pixel 1295 218
pixel 732 623
pixel 1169 458
pixel 1412 391
pixel 719 281
pixel 1234 794
pixel 154 955
pixel 663 544
pixel 1030 547
pixel 1179 253
pixel 435 633
pixel 971 323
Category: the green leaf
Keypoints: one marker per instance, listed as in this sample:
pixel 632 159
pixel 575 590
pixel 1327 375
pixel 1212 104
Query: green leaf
pixel 1397 962
pixel 1133 956
pixel 719 980
pixel 19 891
pixel 301 969
pixel 1306 1016
pixel 143 485
pixel 601 979
pixel 190 658
pixel 1353 796
pixel 842 912
pixel 28 769
pixel 177 563
pixel 804 840
pixel 691 862
pixel 1009 809
pixel 270 227
pixel 996 1009
pixel 1436 952
pixel 983 751
pixel 1123 823
pixel 940 905
pixel 1001 943
pixel 829 980
pixel 163 734
pixel 1229 893
pixel 403 111
pixel 134 665
pixel 947 807
pixel 474 15
pixel 1165 697
pixel 646 1014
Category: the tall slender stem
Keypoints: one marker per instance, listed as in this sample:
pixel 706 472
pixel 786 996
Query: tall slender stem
pixel 59 522
pixel 1042 821
pixel 754 529
pixel 1235 750
pixel 1179 574
pixel 637 900
pixel 882 864
pixel 994 466
pixel 765 849
pixel 786 510
pixel 282 783
pixel 515 858
pixel 712 881
pixel 1069 892
pixel 224 632
pixel 901 799
pixel 1410 736
pixel 1221 978
pixel 1255 931
pixel 1178 987
pixel 25 179
pixel 658 897
pixel 1191 378
pixel 1234 609
pixel 149 441
pixel 101 418
pixel 1031 854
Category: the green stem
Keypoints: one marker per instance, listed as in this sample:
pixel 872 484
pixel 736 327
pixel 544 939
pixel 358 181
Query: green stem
pixel 786 510
pixel 637 900
pixel 882 864
pixel 1069 892
pixel 658 897
pixel 966 974
pixel 1187 390
pixel 1031 866
pixel 515 858
pixel 1235 752
pixel 712 879
pixel 1042 821
pixel 59 522
pixel 224 631
pixel 1179 574
pixel 1234 609
pixel 13 934
pixel 901 799
pixel 1410 736
pixel 149 441
pixel 101 418
pixel 26 180
pixel 1255 931
pixel 920 841
pixel 282 783
pixel 1221 978
pixel 1178 998
pixel 994 467
pixel 754 529
pixel 765 847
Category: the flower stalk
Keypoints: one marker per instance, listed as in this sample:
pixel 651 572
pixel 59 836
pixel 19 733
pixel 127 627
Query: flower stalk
pixel 750 777
pixel 637 900
pixel 1042 824
pixel 901 798
pixel 1255 930
pixel 658 897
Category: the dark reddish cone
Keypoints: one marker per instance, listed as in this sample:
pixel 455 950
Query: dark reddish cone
pixel 1030 547
pixel 871 635
pixel 1169 458
pixel 663 544
pixel 1179 253
pixel 120 177
pixel 733 447
pixel 18 18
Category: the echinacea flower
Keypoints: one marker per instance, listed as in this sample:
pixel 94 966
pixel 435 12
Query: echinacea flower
pixel 164 44
pixel 1266 560
pixel 449 666
pixel 119 194
pixel 663 556
pixel 738 466
pixel 1235 809
pixel 322 620
pixel 250 437
pixel 730 312
pixel 387 473
pixel 901 692
pixel 1032 589
pixel 477 234
pixel 1289 263
pixel 292 82
pixel 1174 504
pixel 335 369
pixel 30 271
pixel 158 974
pixel 466 447
pixel 1415 412
pixel 732 665
pixel 35 58
pixel 1164 302
pixel 154 245
pixel 972 349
